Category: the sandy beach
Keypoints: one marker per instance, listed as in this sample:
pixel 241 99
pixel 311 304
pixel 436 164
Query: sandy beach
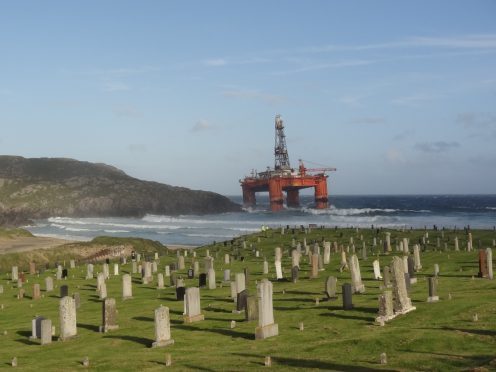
pixel 26 244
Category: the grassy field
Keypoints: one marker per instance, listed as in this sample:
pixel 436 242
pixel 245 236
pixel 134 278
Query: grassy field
pixel 437 336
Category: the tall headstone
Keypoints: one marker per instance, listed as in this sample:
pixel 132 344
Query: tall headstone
pixel 116 269
pixel 278 270
pixel 48 284
pixel 192 311
pixel 457 247
pixel 386 310
pixel 483 264
pixel 180 263
pixel 89 271
pixel 32 268
pixel 489 260
pixel 416 257
pixel 347 296
pixel 251 312
pixel 266 326
pixel 327 253
pixel 109 315
pixel 162 327
pixel 294 274
pixel 14 274
pixel 433 297
pixel 46 332
pixel 377 270
pixel 356 276
pixel 314 273
pixel 330 287
pixel 160 281
pixel 211 279
pixel 402 303
pixel 67 313
pixel 265 267
pixel 295 258
pixel 127 287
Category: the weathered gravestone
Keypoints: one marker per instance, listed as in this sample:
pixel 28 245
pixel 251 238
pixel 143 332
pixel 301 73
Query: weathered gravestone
pixel 330 287
pixel 127 287
pixel 46 331
pixel 202 280
pixel 64 291
pixel 180 291
pixel 347 296
pixel 162 327
pixel 433 297
pixel 402 303
pixel 67 313
pixel 294 274
pixel 192 310
pixel 266 326
pixel 109 315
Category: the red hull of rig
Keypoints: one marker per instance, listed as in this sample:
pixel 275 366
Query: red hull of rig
pixel 291 185
pixel 284 179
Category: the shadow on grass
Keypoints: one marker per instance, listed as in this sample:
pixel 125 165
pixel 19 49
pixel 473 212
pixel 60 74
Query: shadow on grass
pixel 294 299
pixel 458 361
pixel 139 340
pixel 143 318
pixel 25 340
pixel 89 327
pixel 350 316
pixel 220 331
pixel 482 332
pixel 311 363
pixel 218 310
pixel 198 368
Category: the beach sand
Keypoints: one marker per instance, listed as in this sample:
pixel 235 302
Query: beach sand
pixel 26 244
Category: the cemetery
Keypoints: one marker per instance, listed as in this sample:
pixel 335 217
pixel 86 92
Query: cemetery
pixel 343 299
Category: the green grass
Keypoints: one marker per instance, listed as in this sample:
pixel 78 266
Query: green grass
pixel 439 336
pixel 11 233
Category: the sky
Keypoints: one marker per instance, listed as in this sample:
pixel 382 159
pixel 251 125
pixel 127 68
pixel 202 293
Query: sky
pixel 399 96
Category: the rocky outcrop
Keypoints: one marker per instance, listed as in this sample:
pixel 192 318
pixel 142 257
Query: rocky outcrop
pixel 44 187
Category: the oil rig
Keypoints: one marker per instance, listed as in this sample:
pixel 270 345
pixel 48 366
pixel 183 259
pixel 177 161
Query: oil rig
pixel 285 179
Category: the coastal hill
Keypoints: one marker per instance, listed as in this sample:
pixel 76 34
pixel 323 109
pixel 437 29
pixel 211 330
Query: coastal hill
pixel 44 187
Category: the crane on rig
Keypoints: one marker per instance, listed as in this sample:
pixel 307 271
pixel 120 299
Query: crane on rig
pixel 283 178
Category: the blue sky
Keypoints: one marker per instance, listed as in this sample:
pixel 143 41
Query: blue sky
pixel 399 96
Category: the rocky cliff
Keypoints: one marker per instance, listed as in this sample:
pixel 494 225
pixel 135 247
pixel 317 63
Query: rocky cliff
pixel 44 187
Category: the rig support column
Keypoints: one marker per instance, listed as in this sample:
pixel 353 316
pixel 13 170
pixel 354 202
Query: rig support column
pixel 275 194
pixel 249 199
pixel 293 198
pixel 321 193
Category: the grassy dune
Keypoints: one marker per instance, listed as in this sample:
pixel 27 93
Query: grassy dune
pixel 439 336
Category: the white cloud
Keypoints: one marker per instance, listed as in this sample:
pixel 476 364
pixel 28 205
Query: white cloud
pixel 115 86
pixel 202 126
pixel 127 111
pixel 256 95
pixel 436 147
pixel 215 62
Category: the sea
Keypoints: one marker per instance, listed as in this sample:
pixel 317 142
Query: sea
pixel 418 211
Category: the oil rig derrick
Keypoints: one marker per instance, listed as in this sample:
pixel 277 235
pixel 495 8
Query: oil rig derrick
pixel 283 178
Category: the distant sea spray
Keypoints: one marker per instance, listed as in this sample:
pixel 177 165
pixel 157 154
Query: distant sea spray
pixel 478 211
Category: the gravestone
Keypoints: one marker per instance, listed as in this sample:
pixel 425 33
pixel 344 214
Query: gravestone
pixel 240 282
pixel 109 315
pixel 180 291
pixel 191 274
pixel 36 291
pixel 227 259
pixel 436 269
pixel 386 311
pixel 162 327
pixel 14 274
pixel 251 311
pixel 48 284
pixel 411 270
pixel 234 294
pixel 294 274
pixel 295 258
pixel 356 277
pixel 327 253
pixel 32 268
pixel 402 303
pixel 278 266
pixel 489 260
pixel 127 287
pixel 314 273
pixel 211 279
pixel 433 297
pixel 416 257
pixel 266 326
pixel 77 300
pixel 103 291
pixel 246 271
pixel 64 291
pixel 202 280
pixel 192 310
pixel 116 269
pixel 482 264
pixel 330 287
pixel 265 267
pixel 377 270
pixel 65 273
pixel 46 332
pixel 241 301
pixel 160 281
pixel 196 267
pixel 180 263
pixel 227 275
pixel 89 271
pixel 106 272
pixel 347 296
pixel 67 314
pixel 167 270
pixel 155 266
pixel 36 327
